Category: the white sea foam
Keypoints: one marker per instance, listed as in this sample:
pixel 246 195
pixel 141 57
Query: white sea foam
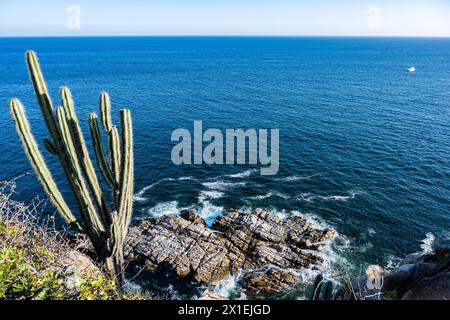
pixel 210 194
pixel 139 196
pixel 392 262
pixel 262 196
pixel 427 243
pixel 315 221
pixel 227 288
pixel 171 293
pixel 334 252
pixel 309 197
pixel 244 174
pixel 268 195
pixel 306 196
pixel 297 178
pixel 132 288
pixel 335 264
pixel 186 178
pixel 164 208
pixel 222 185
pixel 209 212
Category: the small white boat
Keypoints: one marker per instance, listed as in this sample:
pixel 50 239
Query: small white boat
pixel 412 69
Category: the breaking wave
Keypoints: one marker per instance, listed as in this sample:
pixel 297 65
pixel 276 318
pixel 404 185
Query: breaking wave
pixel 269 195
pixel 222 185
pixel 228 288
pixel 139 196
pixel 427 243
pixel 309 197
pixel 209 212
pixel 212 183
pixel 209 195
pixel 164 208
pixel 297 178
pixel 244 174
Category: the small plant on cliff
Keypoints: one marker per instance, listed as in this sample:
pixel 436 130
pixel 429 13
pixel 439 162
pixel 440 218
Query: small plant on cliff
pixel 105 225
pixel 36 262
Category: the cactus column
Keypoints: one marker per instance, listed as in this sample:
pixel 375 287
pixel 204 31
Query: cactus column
pixel 106 226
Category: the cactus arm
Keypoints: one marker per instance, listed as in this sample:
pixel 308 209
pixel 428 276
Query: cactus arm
pixel 50 146
pixel 122 218
pixel 99 152
pixel 83 154
pixel 130 209
pixel 114 145
pixel 77 181
pixel 130 193
pixel 105 111
pixel 113 135
pixel 117 240
pixel 126 174
pixel 42 95
pixel 38 163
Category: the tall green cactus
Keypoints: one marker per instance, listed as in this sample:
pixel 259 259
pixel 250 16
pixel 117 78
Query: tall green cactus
pixel 106 225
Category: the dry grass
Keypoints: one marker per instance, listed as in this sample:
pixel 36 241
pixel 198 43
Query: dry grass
pixel 37 261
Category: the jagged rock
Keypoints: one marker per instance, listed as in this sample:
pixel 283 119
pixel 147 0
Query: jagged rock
pixel 398 279
pixel 77 267
pixel 433 288
pixel 185 246
pixel 208 295
pixel 193 216
pixel 269 281
pixel 417 277
pixel 178 245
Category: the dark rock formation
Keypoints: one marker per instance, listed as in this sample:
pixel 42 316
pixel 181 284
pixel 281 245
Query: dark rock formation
pixel 417 277
pixel 237 241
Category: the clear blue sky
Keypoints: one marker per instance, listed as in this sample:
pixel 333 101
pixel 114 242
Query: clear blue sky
pixel 225 17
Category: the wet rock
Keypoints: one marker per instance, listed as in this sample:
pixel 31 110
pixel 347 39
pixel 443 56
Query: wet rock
pixel 183 245
pixel 208 295
pixel 193 216
pixel 399 279
pixel 269 281
pixel 180 246
pixel 417 277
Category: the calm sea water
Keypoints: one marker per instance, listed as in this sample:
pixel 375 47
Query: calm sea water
pixel 364 145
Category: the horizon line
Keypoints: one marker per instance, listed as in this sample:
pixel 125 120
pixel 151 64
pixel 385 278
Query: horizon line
pixel 227 35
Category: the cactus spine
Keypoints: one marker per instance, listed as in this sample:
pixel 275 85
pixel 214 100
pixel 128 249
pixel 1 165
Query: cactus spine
pixel 106 227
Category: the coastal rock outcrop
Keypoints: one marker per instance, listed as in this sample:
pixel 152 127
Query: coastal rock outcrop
pixel 417 277
pixel 256 240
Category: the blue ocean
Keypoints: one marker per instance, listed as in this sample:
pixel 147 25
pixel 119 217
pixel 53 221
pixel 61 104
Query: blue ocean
pixel 364 144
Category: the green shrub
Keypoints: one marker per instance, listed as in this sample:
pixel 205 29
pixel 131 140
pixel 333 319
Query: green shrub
pixel 33 260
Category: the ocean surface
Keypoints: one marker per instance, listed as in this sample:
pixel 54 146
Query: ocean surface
pixel 364 145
